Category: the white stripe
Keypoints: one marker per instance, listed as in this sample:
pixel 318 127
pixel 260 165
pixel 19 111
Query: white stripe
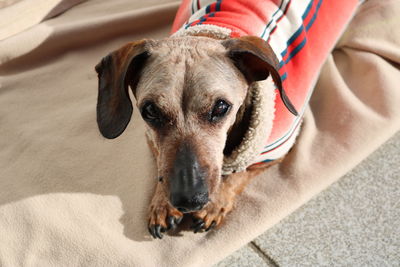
pixel 205 3
pixel 292 127
pixel 194 6
pixel 280 151
pixel 295 122
pixel 198 13
pixel 288 25
pixel 286 136
pixel 275 16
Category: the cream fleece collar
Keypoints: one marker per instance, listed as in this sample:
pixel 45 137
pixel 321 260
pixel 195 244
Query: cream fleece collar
pixel 256 136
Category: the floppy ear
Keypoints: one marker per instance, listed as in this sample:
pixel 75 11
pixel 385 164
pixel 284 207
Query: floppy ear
pixel 256 60
pixel 116 71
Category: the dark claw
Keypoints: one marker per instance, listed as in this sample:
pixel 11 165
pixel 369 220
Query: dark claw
pixel 178 220
pixel 157 231
pixel 211 226
pixel 171 222
pixel 152 231
pixel 196 220
pixel 198 227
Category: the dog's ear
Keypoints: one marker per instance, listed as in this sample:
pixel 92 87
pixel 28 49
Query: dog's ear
pixel 116 72
pixel 256 60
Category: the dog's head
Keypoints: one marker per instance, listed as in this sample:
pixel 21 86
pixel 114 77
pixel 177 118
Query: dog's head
pixel 191 92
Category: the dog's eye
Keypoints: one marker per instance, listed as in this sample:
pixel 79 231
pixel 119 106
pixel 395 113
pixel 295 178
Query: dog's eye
pixel 150 112
pixel 220 109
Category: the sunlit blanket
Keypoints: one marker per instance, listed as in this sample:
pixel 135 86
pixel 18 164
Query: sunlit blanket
pixel 69 197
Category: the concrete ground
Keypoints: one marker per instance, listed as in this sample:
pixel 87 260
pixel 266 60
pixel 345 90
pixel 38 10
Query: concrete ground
pixel 355 222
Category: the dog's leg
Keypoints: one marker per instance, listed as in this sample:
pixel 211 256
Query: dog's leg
pixel 222 203
pixel 162 216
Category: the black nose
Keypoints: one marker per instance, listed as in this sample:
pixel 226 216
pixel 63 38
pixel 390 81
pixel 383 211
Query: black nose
pixel 188 202
pixel 188 188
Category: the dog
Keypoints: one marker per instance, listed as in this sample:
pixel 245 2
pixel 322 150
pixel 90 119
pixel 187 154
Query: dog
pixel 208 100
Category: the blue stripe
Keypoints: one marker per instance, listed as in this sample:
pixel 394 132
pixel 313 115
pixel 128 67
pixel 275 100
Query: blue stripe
pixel 284 76
pixel 303 43
pixel 291 131
pixel 294 36
pixel 274 28
pixel 267 160
pixel 218 6
pixel 298 32
pixel 311 22
pixel 296 50
pixel 307 10
pixel 291 55
pixel 283 53
pixel 212 14
pixel 272 18
pixel 276 12
pixel 204 18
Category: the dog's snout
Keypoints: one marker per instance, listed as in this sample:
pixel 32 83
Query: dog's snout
pixel 188 203
pixel 188 187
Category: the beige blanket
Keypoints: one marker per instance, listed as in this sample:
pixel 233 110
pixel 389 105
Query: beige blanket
pixel 68 197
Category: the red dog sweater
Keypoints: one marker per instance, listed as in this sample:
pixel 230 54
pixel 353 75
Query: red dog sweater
pixel 302 33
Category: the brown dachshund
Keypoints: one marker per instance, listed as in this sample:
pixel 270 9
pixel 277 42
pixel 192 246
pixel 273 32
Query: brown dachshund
pixel 193 93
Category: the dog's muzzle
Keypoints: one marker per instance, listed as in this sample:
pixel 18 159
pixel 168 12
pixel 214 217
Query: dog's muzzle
pixel 188 187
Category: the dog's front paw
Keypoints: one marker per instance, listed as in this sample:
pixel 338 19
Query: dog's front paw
pixel 163 217
pixel 211 215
